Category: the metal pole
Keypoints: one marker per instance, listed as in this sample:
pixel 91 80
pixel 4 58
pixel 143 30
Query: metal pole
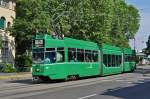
pixel 134 43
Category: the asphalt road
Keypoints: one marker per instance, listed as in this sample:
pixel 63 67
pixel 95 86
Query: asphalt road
pixel 123 86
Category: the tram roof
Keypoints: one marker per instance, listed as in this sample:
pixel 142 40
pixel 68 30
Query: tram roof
pixel 110 47
pixel 69 42
pixel 127 51
pixel 80 43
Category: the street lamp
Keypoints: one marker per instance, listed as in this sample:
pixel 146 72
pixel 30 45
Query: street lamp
pixel 134 43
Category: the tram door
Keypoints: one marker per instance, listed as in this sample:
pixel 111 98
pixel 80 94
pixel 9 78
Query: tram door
pixel 100 62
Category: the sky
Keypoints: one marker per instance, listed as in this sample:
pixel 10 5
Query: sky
pixel 141 36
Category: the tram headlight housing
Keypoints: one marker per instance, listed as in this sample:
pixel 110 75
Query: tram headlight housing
pixel 46 67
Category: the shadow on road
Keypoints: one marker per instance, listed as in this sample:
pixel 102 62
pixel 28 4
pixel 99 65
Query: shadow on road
pixel 29 81
pixel 138 91
pixel 24 81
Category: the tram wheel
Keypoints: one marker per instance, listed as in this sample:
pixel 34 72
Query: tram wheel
pixel 36 80
pixel 72 77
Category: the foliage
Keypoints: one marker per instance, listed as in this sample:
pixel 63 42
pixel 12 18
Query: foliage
pixel 0 41
pixel 7 68
pixel 23 69
pixel 23 61
pixel 101 21
pixel 29 17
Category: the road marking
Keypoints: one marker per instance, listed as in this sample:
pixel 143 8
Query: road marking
pixel 87 96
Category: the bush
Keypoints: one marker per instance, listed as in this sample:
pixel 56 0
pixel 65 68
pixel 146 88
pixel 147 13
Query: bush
pixel 23 69
pixel 8 68
pixel 23 63
pixel 1 67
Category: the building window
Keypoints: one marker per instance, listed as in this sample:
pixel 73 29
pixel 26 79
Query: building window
pixel 4 44
pixel 4 52
pixel 4 3
pixel 2 22
pixel 8 25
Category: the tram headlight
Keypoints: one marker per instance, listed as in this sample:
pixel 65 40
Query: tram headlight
pixel 46 67
pixel 37 70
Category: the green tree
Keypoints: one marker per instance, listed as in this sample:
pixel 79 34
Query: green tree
pixel 30 16
pixel 125 21
pixel 101 21
pixel 104 21
pixel 0 41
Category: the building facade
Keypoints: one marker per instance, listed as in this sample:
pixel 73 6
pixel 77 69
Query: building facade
pixel 7 48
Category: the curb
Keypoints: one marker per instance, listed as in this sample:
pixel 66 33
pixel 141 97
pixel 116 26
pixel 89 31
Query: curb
pixel 16 76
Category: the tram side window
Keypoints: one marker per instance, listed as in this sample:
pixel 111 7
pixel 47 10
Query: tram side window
pixel 50 55
pixel 130 58
pixel 60 55
pixel 80 55
pixel 72 55
pixel 118 60
pixel 88 56
pixel 126 58
pixel 53 55
pixel 114 60
pixel 105 59
pixel 111 60
pixel 95 56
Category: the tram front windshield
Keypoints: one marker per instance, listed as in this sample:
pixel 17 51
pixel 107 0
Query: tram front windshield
pixel 41 57
pixel 38 56
pixel 51 55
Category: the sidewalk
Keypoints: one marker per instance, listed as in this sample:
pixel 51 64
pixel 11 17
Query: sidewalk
pixel 145 70
pixel 15 76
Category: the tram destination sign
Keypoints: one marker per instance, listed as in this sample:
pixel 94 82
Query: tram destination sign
pixel 39 43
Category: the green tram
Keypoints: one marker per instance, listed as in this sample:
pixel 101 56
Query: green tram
pixel 69 58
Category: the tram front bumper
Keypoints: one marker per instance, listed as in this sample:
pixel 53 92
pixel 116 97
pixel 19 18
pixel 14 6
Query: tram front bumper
pixel 47 71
